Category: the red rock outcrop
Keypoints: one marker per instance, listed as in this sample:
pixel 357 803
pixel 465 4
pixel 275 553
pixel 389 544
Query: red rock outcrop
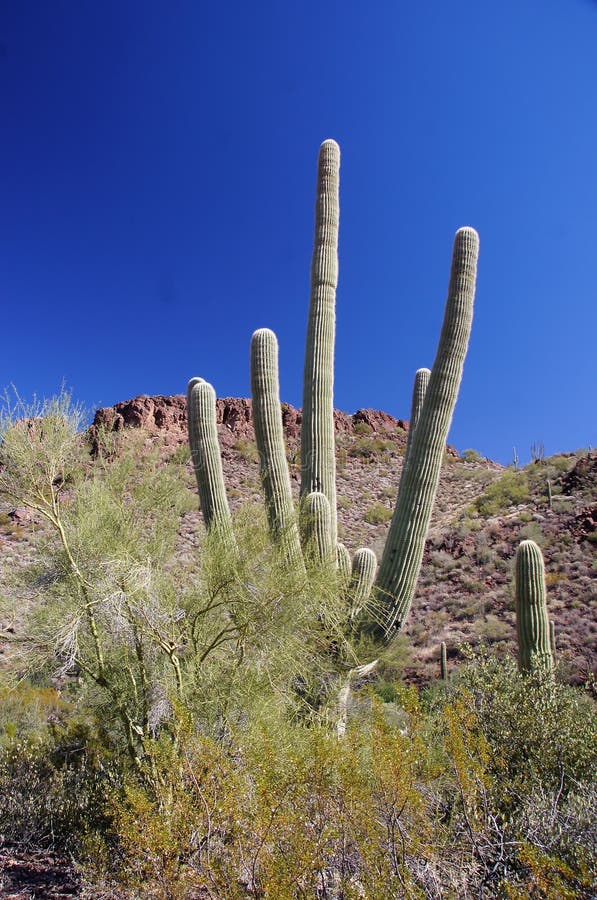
pixel 167 417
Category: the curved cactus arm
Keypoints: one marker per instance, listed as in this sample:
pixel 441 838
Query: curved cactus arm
pixel 343 564
pixel 532 622
pixel 401 561
pixel 269 436
pixel 419 390
pixel 364 564
pixel 205 452
pixel 317 527
pixel 318 452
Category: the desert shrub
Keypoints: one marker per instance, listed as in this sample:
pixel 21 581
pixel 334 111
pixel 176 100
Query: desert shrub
pixel 362 428
pixel 510 490
pixel 471 456
pixel 54 789
pixel 541 732
pixel 247 449
pixel 377 514
pixel 532 531
pixel 440 559
pixel 182 455
pixel 533 832
pixel 369 448
pixel 493 629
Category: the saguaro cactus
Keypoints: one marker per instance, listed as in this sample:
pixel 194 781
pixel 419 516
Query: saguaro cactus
pixel 343 563
pixel 401 561
pixel 419 390
pixel 443 661
pixel 434 397
pixel 269 436
pixel 318 451
pixel 205 452
pixel 317 526
pixel 364 564
pixel 532 621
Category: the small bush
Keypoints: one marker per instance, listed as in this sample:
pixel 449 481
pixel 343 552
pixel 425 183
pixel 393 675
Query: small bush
pixel 246 449
pixel 510 490
pixel 369 448
pixel 377 514
pixel 471 456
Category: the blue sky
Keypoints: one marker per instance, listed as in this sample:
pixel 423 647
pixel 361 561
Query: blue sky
pixel 158 171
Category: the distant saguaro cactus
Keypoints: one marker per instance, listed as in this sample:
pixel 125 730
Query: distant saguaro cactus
pixel 443 661
pixel 532 621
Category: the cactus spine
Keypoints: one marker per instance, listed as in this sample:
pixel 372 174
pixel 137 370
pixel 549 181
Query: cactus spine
pixel 532 622
pixel 403 552
pixel 318 453
pixel 443 661
pixel 269 436
pixel 205 452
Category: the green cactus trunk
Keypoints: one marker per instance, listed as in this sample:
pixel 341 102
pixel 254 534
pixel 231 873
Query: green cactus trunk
pixel 316 517
pixel 205 452
pixel 552 639
pixel 443 661
pixel 343 564
pixel 318 453
pixel 401 561
pixel 364 564
pixel 419 390
pixel 532 622
pixel 269 436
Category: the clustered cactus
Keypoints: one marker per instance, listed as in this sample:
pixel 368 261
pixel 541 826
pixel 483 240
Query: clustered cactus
pixel 379 604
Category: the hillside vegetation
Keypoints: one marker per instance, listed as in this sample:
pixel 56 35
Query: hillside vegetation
pixel 207 691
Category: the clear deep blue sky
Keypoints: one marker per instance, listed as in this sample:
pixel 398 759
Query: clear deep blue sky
pixel 158 171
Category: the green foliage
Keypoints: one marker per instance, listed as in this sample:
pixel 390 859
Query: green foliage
pixel 54 788
pixel 510 490
pixel 247 449
pixel 377 514
pixel 370 447
pixel 471 456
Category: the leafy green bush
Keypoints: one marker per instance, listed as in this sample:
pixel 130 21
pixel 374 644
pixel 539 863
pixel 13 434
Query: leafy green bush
pixel 510 490
pixel 471 456
pixel 369 448
pixel 377 514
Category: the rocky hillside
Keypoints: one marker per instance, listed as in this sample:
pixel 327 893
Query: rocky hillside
pixel 482 511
